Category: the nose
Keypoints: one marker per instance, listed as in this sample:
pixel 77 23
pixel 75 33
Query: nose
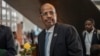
pixel 49 15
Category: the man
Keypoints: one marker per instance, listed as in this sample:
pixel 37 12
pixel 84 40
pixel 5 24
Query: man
pixel 57 39
pixel 90 36
pixel 7 46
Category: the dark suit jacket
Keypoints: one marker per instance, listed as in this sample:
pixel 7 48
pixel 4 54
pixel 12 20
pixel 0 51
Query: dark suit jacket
pixel 95 40
pixel 7 47
pixel 65 42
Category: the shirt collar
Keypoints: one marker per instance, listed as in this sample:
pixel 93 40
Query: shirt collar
pixel 91 31
pixel 51 29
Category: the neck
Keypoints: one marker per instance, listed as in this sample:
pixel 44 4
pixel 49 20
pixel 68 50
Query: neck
pixel 48 27
pixel 89 30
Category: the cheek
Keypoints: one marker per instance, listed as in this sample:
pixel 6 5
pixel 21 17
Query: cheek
pixel 89 27
pixel 55 18
pixel 43 18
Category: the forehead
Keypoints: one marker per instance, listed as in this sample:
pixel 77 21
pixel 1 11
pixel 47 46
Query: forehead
pixel 88 22
pixel 47 7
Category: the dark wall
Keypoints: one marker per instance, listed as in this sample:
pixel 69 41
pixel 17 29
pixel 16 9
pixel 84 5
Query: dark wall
pixel 75 12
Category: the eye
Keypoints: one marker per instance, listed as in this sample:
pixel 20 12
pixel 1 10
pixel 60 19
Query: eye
pixel 51 12
pixel 44 13
pixel 48 12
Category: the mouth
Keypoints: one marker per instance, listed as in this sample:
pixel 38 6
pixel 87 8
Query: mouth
pixel 48 20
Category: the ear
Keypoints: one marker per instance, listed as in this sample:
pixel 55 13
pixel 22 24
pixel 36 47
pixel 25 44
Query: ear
pixel 94 24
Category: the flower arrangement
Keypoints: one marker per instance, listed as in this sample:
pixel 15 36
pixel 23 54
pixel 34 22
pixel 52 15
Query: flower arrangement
pixel 27 49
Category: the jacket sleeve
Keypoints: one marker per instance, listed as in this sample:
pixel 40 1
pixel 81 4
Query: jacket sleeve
pixel 11 51
pixel 74 44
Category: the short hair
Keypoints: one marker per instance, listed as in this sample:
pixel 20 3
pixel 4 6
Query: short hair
pixel 91 19
pixel 95 50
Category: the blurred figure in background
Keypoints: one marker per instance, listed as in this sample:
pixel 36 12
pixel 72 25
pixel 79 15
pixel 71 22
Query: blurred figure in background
pixel 7 44
pixel 91 36
pixel 17 44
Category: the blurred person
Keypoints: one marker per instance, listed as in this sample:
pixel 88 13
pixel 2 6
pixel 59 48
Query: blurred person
pixel 57 39
pixel 91 36
pixel 28 38
pixel 17 44
pixel 7 44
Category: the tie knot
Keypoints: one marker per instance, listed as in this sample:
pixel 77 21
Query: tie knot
pixel 47 33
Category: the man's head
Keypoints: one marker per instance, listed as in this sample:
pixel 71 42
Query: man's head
pixel 95 50
pixel 48 15
pixel 89 24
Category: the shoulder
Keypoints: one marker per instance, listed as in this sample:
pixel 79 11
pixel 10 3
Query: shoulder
pixel 65 26
pixel 98 31
pixel 4 27
pixel 41 33
pixel 84 32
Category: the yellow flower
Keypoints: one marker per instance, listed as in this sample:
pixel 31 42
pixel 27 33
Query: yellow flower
pixel 27 46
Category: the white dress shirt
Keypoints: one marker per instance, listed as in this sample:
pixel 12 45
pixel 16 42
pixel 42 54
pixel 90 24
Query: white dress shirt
pixel 51 30
pixel 88 41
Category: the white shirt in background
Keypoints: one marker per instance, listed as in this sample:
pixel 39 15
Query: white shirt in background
pixel 88 41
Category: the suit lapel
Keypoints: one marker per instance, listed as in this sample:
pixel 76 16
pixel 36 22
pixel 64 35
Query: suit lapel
pixel 94 37
pixel 42 43
pixel 54 37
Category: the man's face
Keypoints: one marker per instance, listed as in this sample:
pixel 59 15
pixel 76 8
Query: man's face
pixel 88 25
pixel 48 15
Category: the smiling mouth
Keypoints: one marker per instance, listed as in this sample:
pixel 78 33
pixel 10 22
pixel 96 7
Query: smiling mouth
pixel 49 20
